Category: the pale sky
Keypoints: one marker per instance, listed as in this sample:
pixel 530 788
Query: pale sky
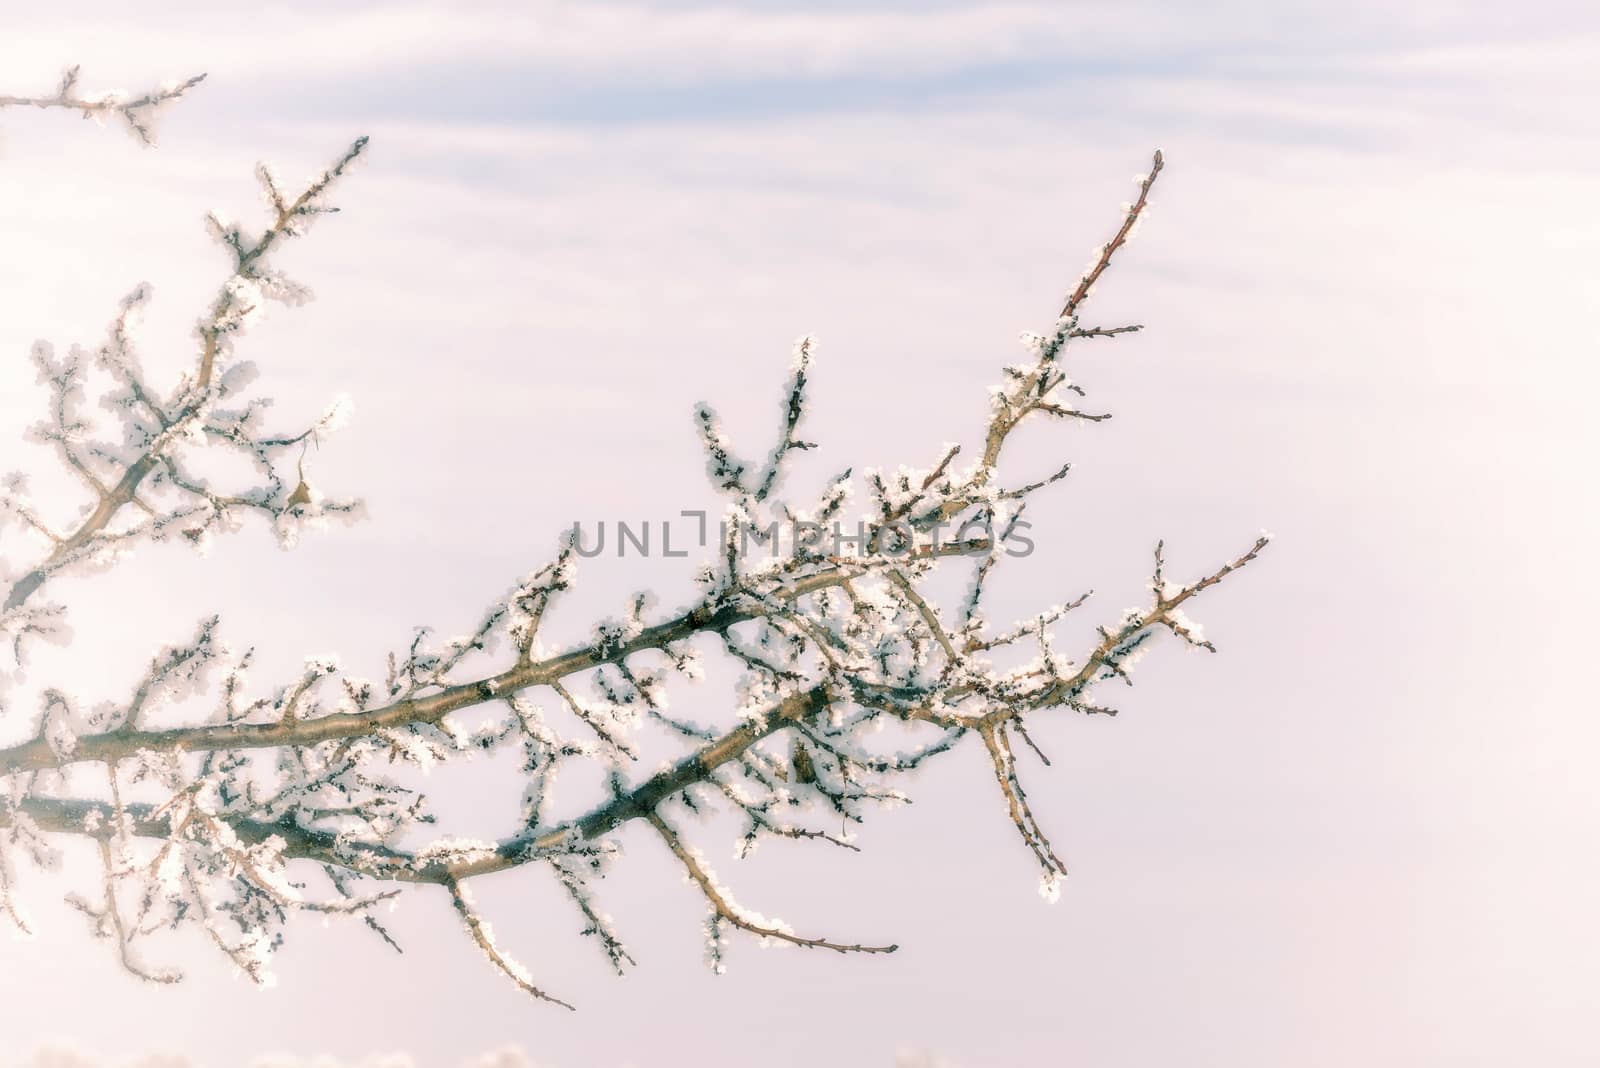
pixel 1364 833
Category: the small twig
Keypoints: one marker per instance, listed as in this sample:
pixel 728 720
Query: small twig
pixel 730 912
pixel 481 934
pixel 135 111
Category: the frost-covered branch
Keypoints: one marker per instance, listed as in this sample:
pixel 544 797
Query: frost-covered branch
pixel 137 111
pixel 726 911
pixel 217 801
pixel 140 478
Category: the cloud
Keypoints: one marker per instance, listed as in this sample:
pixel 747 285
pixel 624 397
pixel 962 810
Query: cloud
pixel 609 59
pixel 613 41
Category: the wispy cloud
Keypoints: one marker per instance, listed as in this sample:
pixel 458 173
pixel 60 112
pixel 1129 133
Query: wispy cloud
pixel 625 62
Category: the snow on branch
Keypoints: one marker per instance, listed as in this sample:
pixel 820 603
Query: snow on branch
pixel 304 794
pixel 138 473
pixel 137 111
